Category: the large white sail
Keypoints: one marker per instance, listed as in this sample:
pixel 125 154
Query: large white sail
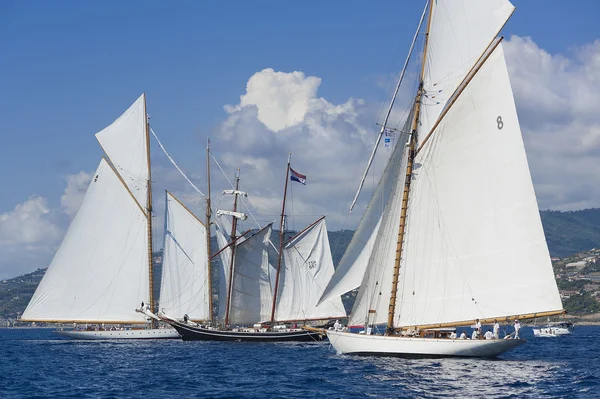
pixel 100 271
pixel 225 259
pixel 350 271
pixel 460 32
pixel 373 296
pixel 184 286
pixel 475 246
pixel 125 144
pixel 252 295
pixel 307 267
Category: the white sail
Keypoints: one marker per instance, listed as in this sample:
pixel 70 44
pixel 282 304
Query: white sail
pixel 374 294
pixel 184 286
pixel 307 267
pixel 100 272
pixel 252 295
pixel 351 269
pixel 475 246
pixel 125 144
pixel 460 32
pixel 225 259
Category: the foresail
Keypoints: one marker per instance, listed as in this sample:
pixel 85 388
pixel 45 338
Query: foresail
pixel 373 297
pixel 252 295
pixel 125 144
pixel 184 286
pixel 475 246
pixel 460 32
pixel 100 271
pixel 224 257
pixel 350 271
pixel 307 267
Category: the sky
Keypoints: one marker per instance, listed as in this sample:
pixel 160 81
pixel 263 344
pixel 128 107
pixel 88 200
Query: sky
pixel 261 79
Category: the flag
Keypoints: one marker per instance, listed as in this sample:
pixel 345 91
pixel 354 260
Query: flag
pixel 295 176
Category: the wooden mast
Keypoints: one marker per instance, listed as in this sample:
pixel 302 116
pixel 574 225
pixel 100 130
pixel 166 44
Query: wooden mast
pixel 232 237
pixel 208 215
pixel 407 180
pixel 281 239
pixel 149 215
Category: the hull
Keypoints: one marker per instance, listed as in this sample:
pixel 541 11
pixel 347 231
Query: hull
pixel 191 333
pixel 551 332
pixel 156 333
pixel 378 345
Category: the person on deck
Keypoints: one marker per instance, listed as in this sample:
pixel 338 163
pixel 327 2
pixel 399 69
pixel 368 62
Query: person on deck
pixel 517 328
pixel 337 326
pixel 488 334
pixel 475 334
pixel 496 329
pixel 463 335
pixel 478 327
pixel 453 335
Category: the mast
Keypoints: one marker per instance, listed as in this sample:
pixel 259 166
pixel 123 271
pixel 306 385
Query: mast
pixel 232 237
pixel 407 180
pixel 208 215
pixel 281 239
pixel 149 215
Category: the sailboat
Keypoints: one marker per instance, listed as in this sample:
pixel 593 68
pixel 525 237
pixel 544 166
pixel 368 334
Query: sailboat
pixel 459 238
pixel 304 266
pixel 103 267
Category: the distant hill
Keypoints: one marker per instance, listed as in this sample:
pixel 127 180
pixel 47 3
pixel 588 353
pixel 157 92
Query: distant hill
pixel 567 233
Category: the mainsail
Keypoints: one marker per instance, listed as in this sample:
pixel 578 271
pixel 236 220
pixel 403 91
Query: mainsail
pixel 252 294
pixel 475 246
pixel 100 270
pixel 308 266
pixel 184 286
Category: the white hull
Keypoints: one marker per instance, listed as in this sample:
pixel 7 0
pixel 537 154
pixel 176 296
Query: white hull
pixel 156 333
pixel 379 345
pixel 551 332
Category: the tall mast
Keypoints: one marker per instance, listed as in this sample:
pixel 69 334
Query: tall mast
pixel 407 180
pixel 281 239
pixel 232 237
pixel 149 214
pixel 208 215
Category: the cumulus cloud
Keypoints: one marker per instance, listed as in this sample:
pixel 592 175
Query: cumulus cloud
pixel 281 113
pixel 77 185
pixel 28 235
pixel 557 97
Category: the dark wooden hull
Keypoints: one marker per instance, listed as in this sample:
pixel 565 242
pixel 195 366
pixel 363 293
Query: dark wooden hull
pixel 191 333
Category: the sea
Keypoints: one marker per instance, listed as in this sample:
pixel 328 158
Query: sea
pixel 36 363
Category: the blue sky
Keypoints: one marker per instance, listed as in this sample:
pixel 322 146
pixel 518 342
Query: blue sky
pixel 69 68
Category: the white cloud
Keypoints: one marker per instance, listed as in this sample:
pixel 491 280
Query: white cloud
pixel 282 99
pixel 557 98
pixel 281 113
pixel 28 237
pixel 77 185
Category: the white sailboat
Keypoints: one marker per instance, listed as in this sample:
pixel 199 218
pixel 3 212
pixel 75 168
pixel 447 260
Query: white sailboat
pixel 103 267
pixel 459 237
pixel 250 300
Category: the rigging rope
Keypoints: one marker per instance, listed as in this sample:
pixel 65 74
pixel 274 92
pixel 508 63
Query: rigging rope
pixel 174 164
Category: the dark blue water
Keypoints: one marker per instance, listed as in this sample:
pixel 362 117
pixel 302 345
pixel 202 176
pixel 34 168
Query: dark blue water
pixel 34 363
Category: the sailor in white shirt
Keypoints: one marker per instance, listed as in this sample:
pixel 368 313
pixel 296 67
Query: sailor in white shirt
pixel 517 328
pixel 496 329
pixel 463 335
pixel 488 335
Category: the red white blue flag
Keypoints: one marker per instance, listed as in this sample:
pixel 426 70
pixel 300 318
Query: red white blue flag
pixel 295 176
